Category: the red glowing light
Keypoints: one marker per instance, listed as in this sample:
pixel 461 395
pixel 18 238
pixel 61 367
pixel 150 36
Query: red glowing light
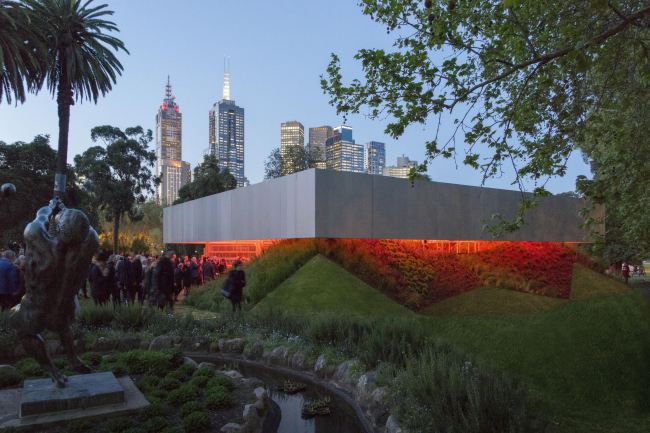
pixel 164 107
pixel 176 108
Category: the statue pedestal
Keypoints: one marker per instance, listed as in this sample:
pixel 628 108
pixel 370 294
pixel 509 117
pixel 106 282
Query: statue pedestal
pixel 85 391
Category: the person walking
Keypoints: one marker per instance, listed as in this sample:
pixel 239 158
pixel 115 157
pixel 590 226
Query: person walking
pixel 237 279
pixel 626 272
pixel 8 280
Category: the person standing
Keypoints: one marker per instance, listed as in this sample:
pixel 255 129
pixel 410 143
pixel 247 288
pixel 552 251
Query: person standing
pixel 207 270
pixel 137 288
pixel 237 279
pixel 100 279
pixel 20 278
pixel 120 276
pixel 8 280
pixel 178 280
pixel 187 278
pixel 626 272
pixel 165 283
pixel 195 268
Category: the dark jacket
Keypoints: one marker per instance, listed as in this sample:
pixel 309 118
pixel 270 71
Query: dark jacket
pixel 99 288
pixel 8 278
pixel 147 279
pixel 194 267
pixel 187 276
pixel 165 275
pixel 120 271
pixel 136 267
pixel 208 270
pixel 178 276
pixel 237 281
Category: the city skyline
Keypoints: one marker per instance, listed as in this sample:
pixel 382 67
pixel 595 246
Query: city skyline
pixel 272 87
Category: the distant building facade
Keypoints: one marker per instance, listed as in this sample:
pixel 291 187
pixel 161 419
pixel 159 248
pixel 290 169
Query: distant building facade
pixel 292 135
pixel 374 157
pixel 226 134
pixel 317 142
pixel 402 169
pixel 173 171
pixel 342 153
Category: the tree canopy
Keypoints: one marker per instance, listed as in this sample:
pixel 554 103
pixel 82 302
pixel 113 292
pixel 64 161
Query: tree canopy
pixel 119 175
pixel 295 159
pixel 525 82
pixel 208 180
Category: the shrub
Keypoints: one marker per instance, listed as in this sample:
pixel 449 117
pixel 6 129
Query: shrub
pixel 200 381
pixel 148 382
pixel 169 384
pixel 204 371
pixel 182 395
pixel 119 425
pixel 172 430
pixel 177 374
pixel 155 424
pixel 196 422
pixel 156 396
pixel 187 369
pixel 28 367
pixel 133 430
pixel 144 361
pixel 91 358
pixel 10 377
pixel 152 411
pixel 221 380
pixel 78 426
pixel 191 406
pixel 218 398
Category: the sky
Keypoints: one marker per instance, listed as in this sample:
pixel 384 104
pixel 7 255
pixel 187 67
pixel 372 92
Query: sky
pixel 277 49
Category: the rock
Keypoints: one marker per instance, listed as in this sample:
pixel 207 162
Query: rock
pixel 80 345
pixel 128 343
pixel 198 344
pixel 208 365
pixel 214 347
pixel 261 399
pixel 252 418
pixel 103 345
pixel 377 398
pixel 53 347
pixel 8 367
pixel 187 360
pixel 256 352
pixel 252 382
pixel 320 365
pixel 144 345
pixel 298 362
pixel 342 379
pixel 177 340
pixel 278 356
pixel 392 427
pixel 365 387
pixel 236 345
pixel 231 427
pixel 19 351
pixel 233 374
pixel 161 342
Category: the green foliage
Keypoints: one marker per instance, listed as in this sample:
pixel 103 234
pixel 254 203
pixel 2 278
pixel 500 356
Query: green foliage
pixel 29 368
pixel 217 398
pixel 294 159
pixel 199 381
pixel 78 426
pixel 182 395
pixel 526 81
pixel 177 375
pixel 190 407
pixel 204 372
pixel 208 180
pixel 222 381
pixel 196 422
pixel 91 358
pixel 152 411
pixel 119 175
pixel 172 430
pixel 169 383
pixel 156 424
pixel 119 424
pixel 157 363
pixel 10 377
pixel 186 369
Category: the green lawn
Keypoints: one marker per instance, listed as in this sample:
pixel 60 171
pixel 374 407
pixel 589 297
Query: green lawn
pixel 323 286
pixel 587 284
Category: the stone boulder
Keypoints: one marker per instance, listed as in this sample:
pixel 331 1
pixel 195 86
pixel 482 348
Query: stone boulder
pixel 187 360
pixel 54 347
pixel 256 351
pixel 342 379
pixel 214 347
pixel 252 382
pixel 298 362
pixel 320 365
pixel 195 344
pixel 8 367
pixel 234 374
pixel 392 427
pixel 208 365
pixel 103 345
pixel 232 427
pixel 235 345
pixel 161 342
pixel 144 345
pixel 278 356
pixel 365 388
pixel 128 343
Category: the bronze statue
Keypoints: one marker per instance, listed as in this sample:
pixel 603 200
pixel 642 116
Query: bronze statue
pixel 60 244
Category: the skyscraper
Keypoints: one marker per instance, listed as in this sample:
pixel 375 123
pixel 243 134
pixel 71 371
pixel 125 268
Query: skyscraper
pixel 402 169
pixel 374 157
pixel 343 154
pixel 317 140
pixel 174 172
pixel 226 132
pixel 292 136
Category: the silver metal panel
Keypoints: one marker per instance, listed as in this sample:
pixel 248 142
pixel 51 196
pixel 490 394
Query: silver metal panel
pixel 325 203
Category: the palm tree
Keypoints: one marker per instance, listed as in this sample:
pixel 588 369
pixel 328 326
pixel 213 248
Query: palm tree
pixel 21 52
pixel 81 63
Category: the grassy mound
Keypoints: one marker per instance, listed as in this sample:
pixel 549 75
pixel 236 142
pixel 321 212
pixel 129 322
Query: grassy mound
pixel 490 300
pixel 587 284
pixel 322 286
pixel 594 351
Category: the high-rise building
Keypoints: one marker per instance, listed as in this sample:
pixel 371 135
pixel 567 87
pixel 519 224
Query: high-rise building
pixel 374 157
pixel 343 154
pixel 403 168
pixel 317 141
pixel 292 136
pixel 226 132
pixel 173 171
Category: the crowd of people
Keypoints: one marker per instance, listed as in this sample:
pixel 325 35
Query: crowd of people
pixel 156 280
pixel 120 279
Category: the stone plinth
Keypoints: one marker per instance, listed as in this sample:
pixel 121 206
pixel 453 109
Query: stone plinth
pixel 86 391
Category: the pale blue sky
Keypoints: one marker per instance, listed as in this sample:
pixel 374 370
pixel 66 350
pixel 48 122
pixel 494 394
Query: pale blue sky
pixel 278 50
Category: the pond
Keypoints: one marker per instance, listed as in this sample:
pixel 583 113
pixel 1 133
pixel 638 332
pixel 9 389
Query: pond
pixel 287 416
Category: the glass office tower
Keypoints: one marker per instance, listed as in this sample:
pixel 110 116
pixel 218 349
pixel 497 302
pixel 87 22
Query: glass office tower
pixel 374 157
pixel 343 154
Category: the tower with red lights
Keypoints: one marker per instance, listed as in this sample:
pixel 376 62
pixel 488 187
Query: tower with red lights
pixel 173 171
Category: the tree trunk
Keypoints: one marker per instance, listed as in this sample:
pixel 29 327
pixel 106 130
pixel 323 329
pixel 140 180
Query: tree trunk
pixel 116 228
pixel 64 100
